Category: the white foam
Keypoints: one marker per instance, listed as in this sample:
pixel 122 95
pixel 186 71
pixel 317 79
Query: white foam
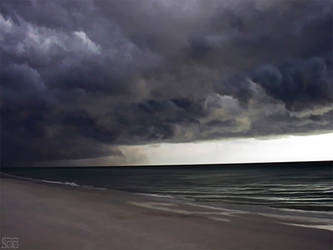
pixel 156 195
pixel 325 227
pixel 175 208
pixel 219 219
pixel 297 218
pixel 162 206
pixel 226 211
pixel 73 184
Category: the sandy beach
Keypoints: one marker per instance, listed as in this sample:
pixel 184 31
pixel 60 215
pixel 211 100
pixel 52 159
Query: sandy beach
pixel 51 216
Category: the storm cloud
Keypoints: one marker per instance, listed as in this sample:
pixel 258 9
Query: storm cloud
pixel 80 78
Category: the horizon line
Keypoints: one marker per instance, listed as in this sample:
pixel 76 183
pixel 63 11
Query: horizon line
pixel 183 165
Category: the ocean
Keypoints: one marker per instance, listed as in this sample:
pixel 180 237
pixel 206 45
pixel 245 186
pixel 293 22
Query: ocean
pixel 296 186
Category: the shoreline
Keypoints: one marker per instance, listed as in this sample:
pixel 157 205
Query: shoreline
pixel 53 216
pixel 243 207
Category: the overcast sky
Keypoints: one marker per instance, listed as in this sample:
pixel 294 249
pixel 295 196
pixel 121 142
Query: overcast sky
pixel 157 81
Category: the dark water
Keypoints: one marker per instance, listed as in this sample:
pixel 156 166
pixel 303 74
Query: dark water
pixel 293 187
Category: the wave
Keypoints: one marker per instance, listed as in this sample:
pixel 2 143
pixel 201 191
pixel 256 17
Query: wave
pixel 156 195
pixel 73 184
pixel 66 183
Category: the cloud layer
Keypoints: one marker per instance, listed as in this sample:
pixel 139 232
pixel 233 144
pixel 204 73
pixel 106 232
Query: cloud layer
pixel 80 78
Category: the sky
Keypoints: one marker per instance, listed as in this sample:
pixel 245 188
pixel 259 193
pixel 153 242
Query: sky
pixel 109 82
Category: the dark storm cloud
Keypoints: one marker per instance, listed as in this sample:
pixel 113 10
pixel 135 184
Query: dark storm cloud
pixel 79 78
pixel 299 84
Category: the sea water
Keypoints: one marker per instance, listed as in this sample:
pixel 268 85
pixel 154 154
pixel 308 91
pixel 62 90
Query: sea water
pixel 291 186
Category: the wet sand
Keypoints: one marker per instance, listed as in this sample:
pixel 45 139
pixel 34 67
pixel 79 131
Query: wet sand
pixel 51 216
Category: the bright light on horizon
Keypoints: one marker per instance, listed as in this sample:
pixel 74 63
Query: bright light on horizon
pixel 245 150
pixel 290 148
